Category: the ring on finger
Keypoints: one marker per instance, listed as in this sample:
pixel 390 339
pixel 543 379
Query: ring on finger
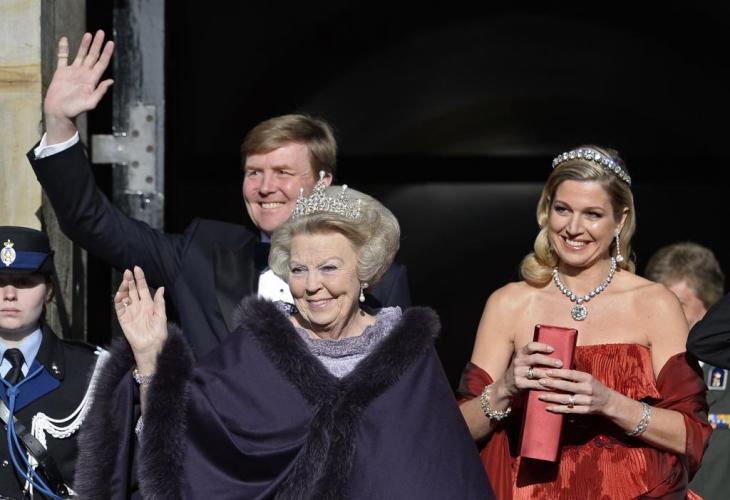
pixel 125 303
pixel 571 401
pixel 530 373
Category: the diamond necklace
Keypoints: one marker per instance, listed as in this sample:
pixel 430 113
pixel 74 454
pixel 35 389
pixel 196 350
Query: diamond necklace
pixel 579 311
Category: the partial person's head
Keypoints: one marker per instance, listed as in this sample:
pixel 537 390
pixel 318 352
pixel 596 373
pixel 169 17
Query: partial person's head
pixel 692 273
pixel 337 242
pixel 280 156
pixel 585 203
pixel 26 269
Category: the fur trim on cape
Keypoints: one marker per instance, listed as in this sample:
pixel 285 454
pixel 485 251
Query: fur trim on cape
pixel 162 445
pixel 322 468
pixel 160 459
pixel 99 437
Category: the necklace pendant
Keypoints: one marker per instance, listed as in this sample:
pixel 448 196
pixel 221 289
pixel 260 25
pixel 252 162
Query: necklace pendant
pixel 579 312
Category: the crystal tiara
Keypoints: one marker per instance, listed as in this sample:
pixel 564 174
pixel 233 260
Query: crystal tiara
pixel 594 156
pixel 318 201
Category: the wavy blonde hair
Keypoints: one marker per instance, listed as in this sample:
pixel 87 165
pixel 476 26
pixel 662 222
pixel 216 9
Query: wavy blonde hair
pixel 537 266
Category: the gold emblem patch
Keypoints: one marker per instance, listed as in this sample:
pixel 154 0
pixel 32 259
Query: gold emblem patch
pixel 7 254
pixel 717 379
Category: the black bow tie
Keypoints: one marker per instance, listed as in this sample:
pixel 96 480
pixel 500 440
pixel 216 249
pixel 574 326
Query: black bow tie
pixel 261 255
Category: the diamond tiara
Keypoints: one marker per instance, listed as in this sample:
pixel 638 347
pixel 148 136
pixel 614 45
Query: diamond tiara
pixel 318 201
pixel 594 156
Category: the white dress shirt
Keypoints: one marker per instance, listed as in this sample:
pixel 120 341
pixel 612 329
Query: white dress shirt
pixel 44 150
pixel 272 287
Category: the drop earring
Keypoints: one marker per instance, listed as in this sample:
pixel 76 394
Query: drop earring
pixel 363 286
pixel 619 257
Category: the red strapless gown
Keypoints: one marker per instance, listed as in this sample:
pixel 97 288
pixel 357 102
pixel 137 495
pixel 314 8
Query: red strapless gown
pixel 598 460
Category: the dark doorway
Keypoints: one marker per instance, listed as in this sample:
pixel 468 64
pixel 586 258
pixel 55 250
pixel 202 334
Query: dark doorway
pixel 451 117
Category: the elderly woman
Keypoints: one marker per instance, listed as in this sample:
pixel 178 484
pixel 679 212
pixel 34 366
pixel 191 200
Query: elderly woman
pixel 323 401
pixel 635 416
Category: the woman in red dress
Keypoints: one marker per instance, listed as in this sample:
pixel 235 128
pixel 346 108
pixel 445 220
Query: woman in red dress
pixel 635 416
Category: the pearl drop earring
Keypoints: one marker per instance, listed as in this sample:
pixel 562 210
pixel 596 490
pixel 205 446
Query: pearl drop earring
pixel 619 257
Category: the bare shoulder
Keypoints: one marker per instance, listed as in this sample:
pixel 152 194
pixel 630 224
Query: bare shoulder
pixel 631 281
pixel 494 343
pixel 504 310
pixel 512 297
pixel 659 314
pixel 647 295
pixel 660 296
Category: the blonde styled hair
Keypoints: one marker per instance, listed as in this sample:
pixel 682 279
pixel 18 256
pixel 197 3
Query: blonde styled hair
pixel 537 266
pixel 375 234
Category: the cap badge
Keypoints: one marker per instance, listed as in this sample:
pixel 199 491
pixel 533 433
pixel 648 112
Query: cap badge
pixel 7 254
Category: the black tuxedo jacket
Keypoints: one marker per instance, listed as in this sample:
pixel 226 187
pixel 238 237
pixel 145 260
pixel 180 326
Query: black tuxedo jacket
pixel 709 339
pixel 68 365
pixel 206 270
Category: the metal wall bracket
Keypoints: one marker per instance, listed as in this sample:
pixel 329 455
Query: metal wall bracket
pixel 135 148
pixel 145 206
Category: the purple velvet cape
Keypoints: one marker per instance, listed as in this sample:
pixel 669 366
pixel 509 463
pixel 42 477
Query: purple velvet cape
pixel 260 417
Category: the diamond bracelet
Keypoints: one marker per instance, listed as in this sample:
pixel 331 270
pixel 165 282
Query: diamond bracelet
pixel 489 412
pixel 141 379
pixel 643 423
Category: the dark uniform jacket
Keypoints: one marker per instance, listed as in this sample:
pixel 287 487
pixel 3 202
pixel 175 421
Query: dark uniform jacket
pixel 711 479
pixel 56 392
pixel 206 270
pixel 709 341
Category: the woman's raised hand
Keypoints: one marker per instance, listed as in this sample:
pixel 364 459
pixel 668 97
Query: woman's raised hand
pixel 528 367
pixel 75 87
pixel 142 318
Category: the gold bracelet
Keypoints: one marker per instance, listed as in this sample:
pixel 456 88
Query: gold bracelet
pixel 489 412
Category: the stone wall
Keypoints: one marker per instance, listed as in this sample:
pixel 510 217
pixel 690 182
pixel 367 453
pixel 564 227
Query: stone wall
pixel 20 110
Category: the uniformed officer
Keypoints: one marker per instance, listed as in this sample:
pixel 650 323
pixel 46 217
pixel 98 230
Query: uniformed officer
pixel 694 275
pixel 45 382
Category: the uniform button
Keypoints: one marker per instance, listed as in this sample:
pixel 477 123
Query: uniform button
pixel 5 463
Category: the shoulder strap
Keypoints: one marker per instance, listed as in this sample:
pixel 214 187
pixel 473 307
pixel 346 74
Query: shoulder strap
pixel 38 451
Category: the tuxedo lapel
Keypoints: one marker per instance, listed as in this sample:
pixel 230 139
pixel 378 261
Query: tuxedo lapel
pixel 235 277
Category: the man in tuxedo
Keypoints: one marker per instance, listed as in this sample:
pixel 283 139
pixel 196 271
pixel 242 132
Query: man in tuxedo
pixel 212 265
pixel 693 273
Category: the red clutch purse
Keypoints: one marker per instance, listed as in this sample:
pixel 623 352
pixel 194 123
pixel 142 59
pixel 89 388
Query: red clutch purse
pixel 541 429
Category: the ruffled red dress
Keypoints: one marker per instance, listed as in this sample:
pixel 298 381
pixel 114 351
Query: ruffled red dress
pixel 598 460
